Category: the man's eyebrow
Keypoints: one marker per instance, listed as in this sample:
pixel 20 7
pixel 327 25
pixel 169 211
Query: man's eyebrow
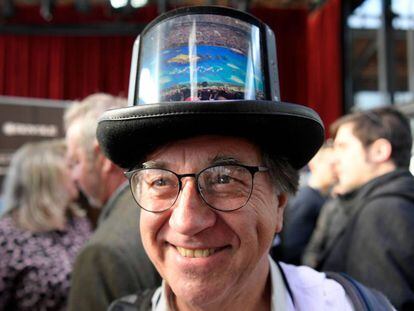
pixel 153 164
pixel 219 159
pixel 223 159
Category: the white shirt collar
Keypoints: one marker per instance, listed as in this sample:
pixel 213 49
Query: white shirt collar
pixel 280 299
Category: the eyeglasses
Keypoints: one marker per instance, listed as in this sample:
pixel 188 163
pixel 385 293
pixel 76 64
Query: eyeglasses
pixel 222 187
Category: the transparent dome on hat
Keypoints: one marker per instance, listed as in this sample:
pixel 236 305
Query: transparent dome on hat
pixel 200 57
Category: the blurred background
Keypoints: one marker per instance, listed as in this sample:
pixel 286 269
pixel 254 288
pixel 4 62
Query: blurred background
pixel 333 56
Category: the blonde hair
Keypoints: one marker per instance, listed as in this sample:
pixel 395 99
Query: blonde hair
pixel 34 191
pixel 87 112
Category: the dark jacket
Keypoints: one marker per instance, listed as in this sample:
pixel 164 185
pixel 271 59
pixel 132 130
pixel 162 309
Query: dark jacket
pixel 374 237
pixel 299 222
pixel 113 263
pixel 314 250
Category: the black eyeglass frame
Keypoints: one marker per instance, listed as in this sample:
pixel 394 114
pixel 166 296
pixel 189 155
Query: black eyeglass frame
pixel 252 170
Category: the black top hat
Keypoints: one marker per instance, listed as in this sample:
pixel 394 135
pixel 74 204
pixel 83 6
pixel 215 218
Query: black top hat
pixel 207 70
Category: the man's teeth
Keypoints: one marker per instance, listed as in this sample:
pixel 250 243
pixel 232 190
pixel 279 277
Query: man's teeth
pixel 195 253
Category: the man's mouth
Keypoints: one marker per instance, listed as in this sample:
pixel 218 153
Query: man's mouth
pixel 195 253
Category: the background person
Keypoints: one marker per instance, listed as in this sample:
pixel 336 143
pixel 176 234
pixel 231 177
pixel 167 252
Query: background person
pixel 41 230
pixel 303 209
pixel 113 263
pixel 374 222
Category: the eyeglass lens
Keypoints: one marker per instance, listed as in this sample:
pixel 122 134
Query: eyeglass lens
pixel 225 187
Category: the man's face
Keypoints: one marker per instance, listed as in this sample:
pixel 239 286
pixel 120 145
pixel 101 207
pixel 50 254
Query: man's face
pixel 352 163
pixel 234 245
pixel 322 169
pixel 83 169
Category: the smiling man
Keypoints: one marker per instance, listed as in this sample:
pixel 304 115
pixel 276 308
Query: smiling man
pixel 211 185
pixel 212 245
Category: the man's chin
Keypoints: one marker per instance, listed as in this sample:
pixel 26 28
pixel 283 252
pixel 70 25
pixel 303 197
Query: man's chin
pixel 198 296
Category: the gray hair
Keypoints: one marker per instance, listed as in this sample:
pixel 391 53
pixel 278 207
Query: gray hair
pixel 33 189
pixel 284 177
pixel 87 112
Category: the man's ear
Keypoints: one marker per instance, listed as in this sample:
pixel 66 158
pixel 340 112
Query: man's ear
pixel 104 163
pixel 380 151
pixel 282 201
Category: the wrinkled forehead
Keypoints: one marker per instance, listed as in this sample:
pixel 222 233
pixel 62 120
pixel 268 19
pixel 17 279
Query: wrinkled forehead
pixel 207 149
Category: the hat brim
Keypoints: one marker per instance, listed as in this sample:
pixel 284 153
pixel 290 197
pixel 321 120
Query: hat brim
pixel 292 131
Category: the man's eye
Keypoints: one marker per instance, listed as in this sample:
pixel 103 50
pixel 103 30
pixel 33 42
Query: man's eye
pixel 223 179
pixel 160 182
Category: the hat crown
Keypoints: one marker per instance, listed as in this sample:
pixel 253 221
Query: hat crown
pixel 207 71
pixel 204 54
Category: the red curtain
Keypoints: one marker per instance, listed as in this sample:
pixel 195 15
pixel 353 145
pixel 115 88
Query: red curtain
pixel 324 61
pixel 64 67
pixel 67 67
pixel 289 26
pixel 71 67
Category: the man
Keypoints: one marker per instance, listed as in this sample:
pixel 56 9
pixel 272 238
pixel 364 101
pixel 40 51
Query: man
pixel 303 209
pixel 113 263
pixel 373 225
pixel 211 185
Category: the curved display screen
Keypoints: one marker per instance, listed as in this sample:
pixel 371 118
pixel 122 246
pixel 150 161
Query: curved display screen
pixel 200 57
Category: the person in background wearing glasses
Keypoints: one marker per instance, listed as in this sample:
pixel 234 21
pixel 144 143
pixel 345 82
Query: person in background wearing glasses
pixel 372 228
pixel 211 185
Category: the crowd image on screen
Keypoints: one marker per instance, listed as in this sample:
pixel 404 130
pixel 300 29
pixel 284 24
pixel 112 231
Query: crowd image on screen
pixel 205 91
pixel 226 32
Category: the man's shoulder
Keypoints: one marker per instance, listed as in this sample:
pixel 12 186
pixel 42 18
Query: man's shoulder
pixel 119 230
pixel 124 213
pixel 396 185
pixel 388 202
pixel 302 276
pixel 121 198
pixel 386 194
pixel 312 290
pixel 122 253
pixel 390 216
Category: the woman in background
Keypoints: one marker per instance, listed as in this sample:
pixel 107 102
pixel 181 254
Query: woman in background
pixel 41 229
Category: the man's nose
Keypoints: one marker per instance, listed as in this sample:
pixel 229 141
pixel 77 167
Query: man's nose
pixel 190 214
